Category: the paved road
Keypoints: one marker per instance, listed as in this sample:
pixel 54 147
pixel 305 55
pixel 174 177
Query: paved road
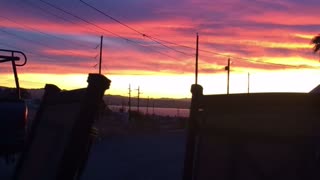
pixel 139 157
pixel 6 170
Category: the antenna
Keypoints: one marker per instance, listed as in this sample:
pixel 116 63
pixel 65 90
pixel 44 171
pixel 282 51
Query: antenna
pixel 248 82
pixel 100 60
pixel 139 92
pixel 129 103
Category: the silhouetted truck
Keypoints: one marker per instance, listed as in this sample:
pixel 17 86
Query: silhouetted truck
pixel 13 110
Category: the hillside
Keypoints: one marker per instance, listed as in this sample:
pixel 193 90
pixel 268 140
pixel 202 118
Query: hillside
pixel 163 102
pixel 120 100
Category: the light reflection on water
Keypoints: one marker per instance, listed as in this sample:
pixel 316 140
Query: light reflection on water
pixel 156 110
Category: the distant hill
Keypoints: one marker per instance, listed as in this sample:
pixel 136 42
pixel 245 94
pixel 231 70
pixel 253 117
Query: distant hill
pixel 25 93
pixel 122 100
pixel 163 102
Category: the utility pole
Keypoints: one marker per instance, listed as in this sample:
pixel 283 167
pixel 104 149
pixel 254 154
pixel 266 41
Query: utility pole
pixel 227 68
pixel 138 106
pixel 152 106
pixel 100 60
pixel 248 82
pixel 148 105
pixel 129 102
pixel 197 56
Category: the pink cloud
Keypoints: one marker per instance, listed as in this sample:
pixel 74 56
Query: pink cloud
pixel 237 28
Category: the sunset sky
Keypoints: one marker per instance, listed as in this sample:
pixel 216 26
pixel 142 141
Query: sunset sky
pixel 151 44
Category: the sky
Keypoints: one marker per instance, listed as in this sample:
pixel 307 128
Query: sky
pixel 151 44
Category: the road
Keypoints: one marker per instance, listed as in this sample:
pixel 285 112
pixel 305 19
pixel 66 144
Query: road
pixel 136 157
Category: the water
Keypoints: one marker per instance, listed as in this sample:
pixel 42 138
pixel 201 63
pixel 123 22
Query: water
pixel 156 110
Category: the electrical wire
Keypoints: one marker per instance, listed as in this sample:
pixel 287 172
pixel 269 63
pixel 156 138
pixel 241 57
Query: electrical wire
pixel 131 28
pixel 158 40
pixel 155 39
pixel 46 34
pixel 33 41
pixel 55 15
pixel 106 30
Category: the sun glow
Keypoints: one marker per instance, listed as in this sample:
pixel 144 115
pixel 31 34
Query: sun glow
pixel 178 86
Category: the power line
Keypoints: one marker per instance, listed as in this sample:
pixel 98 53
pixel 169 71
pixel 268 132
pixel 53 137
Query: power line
pixel 158 40
pixel 228 56
pixel 23 38
pixel 46 34
pixel 131 28
pixel 84 20
pixel 33 41
pixel 15 48
pixel 55 15
pixel 201 50
pixel 114 19
pixel 99 27
pixel 46 11
pixel 150 37
pixel 26 51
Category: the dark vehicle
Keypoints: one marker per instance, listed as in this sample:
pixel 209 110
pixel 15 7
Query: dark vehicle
pixel 13 110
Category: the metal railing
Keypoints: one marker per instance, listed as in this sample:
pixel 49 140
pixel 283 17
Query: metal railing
pixel 13 58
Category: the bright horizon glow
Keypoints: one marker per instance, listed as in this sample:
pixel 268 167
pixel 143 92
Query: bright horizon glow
pixel 280 81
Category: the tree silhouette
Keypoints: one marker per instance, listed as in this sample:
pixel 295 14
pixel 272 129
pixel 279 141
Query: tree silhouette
pixel 316 42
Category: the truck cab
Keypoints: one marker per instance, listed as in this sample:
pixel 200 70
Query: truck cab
pixel 13 109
